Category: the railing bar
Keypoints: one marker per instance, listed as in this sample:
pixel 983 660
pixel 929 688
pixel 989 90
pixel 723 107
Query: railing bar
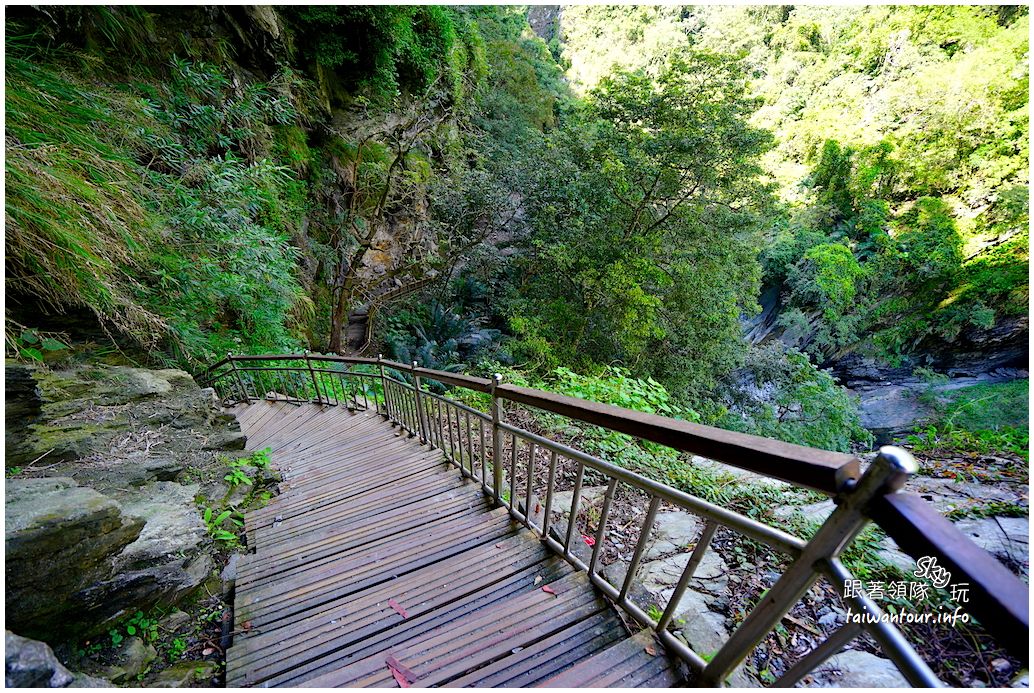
pixel 484 463
pixel 602 529
pixel 547 514
pixel 390 405
pixel 640 546
pixel 694 561
pixel 438 419
pixel 890 639
pixel 531 476
pixel 448 422
pixel 459 436
pixel 826 649
pixel 513 472
pixel 576 496
pixel 470 445
pixel 776 538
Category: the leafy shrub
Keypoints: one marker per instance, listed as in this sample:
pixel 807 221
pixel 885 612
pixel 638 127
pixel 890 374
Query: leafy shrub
pixel 782 395
pixel 436 337
pixel 152 206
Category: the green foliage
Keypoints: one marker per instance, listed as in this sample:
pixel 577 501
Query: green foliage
pixel 216 523
pixel 382 51
pixel 790 399
pixel 138 625
pixel 987 418
pixel 31 344
pixel 643 227
pixel 152 205
pixel 436 337
pixel 616 386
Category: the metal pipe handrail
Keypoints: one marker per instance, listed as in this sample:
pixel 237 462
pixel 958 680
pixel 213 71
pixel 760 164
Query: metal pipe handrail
pixel 1000 599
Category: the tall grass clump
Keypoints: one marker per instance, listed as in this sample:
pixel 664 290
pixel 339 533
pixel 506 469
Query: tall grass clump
pixel 155 204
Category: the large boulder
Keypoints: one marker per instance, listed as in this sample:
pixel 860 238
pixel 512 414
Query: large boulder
pixel 60 539
pixel 32 664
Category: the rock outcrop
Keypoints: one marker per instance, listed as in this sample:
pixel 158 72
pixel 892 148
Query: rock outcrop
pixel 104 478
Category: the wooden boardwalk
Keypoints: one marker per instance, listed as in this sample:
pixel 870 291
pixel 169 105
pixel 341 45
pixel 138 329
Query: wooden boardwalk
pixel 379 564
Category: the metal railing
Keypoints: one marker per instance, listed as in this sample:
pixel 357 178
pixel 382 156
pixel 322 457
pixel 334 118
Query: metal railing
pixel 489 450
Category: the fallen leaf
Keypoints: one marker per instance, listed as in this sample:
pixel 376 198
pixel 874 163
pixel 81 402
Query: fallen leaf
pixel 402 675
pixel 650 650
pixel 246 626
pixel 207 651
pixel 548 590
pixel 538 508
pixel 398 607
pixel 538 579
pixel 589 541
pixel 499 546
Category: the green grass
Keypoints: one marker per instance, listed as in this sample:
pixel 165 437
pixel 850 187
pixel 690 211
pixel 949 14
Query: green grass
pixel 985 419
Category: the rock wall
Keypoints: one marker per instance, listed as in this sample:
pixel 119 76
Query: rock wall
pixel 105 465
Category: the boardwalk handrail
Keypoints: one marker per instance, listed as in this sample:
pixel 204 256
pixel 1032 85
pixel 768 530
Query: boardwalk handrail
pixel 397 391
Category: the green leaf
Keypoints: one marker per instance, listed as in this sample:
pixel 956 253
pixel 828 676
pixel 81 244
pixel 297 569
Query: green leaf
pixel 30 337
pixel 50 344
pixel 222 517
pixel 34 354
pixel 131 630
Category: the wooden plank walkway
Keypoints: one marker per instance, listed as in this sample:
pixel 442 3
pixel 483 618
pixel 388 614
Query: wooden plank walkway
pixel 379 551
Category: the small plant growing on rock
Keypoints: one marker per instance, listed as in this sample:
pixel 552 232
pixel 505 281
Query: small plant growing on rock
pixel 215 523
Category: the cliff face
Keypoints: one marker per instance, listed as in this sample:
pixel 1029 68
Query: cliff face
pixel 241 135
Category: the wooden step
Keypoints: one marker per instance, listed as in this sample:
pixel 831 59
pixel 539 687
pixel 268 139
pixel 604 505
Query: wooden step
pixel 636 662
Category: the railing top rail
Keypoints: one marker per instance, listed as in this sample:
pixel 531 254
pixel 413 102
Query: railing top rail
pixel 999 599
pixel 817 469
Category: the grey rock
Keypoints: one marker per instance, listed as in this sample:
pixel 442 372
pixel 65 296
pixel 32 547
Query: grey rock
pixel 812 512
pixel 829 620
pixel 589 495
pixel 134 657
pixel 741 475
pixel 857 669
pixel 947 495
pixel 59 539
pixel 183 674
pixel 1007 538
pixel 84 681
pixel 172 525
pixel 32 664
pixel 175 620
pixel 227 440
pixel 672 532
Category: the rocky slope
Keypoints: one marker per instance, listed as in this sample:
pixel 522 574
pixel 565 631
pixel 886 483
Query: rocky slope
pixel 108 469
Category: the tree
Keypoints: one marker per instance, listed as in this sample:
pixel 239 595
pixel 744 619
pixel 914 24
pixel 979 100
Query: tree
pixel 644 224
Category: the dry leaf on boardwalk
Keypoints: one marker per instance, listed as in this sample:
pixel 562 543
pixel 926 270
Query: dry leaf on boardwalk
pixel 398 607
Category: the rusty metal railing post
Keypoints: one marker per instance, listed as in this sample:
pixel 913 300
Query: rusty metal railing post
pixel 236 373
pixel 312 374
pixel 886 474
pixel 420 413
pixel 497 441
